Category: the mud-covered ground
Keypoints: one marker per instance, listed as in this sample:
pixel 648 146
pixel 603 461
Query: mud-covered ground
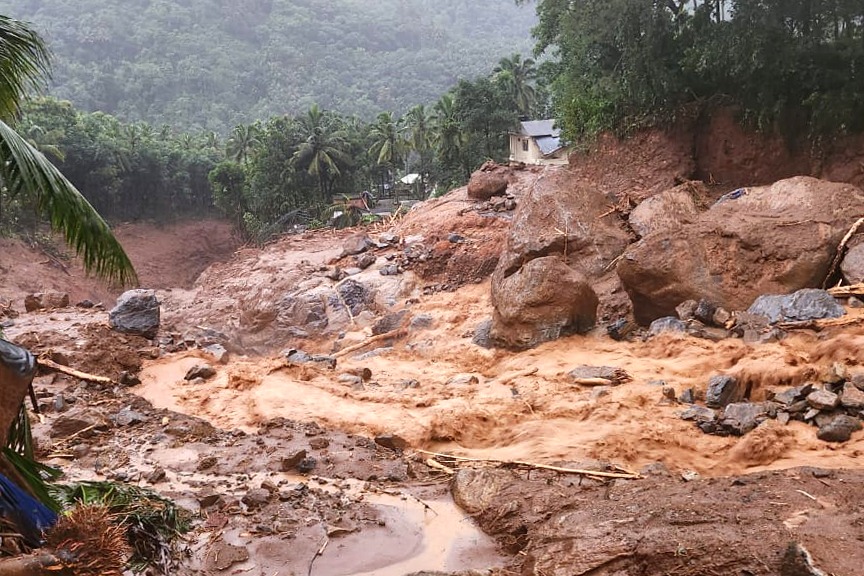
pixel 278 460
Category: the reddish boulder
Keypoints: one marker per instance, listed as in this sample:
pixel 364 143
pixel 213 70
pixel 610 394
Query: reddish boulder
pixel 484 185
pixel 767 240
pixel 541 301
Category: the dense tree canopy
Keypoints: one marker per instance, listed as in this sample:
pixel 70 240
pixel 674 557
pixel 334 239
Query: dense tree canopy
pixel 211 64
pixel 797 65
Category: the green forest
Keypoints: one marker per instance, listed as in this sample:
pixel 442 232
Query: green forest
pixel 212 64
pixel 790 66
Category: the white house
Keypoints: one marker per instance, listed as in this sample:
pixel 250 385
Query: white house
pixel 537 142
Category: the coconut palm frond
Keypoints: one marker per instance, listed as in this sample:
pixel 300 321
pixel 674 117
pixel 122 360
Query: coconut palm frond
pixel 24 63
pixel 26 170
pixel 153 524
pixel 38 476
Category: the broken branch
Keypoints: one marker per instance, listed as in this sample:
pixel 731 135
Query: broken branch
pixel 624 474
pixel 48 363
pixel 398 333
pixel 841 250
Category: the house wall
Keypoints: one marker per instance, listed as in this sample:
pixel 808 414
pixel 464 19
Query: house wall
pixel 533 155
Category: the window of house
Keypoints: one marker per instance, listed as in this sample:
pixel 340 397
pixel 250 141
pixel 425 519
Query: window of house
pixel 525 145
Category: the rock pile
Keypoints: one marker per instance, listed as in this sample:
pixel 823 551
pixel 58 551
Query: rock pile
pixel 835 406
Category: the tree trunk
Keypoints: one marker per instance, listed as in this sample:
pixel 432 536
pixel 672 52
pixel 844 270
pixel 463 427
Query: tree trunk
pixel 36 564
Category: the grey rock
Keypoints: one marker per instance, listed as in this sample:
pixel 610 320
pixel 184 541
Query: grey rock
pixel 137 312
pixel 205 371
pixel 792 395
pixel 723 390
pixel 482 335
pixel 356 244
pixel 128 417
pixel 666 324
pixel 852 397
pixel 690 476
pixel 301 357
pixel 854 302
pixel 350 379
pixel 463 380
pixel 307 465
pixel 800 306
pixel 823 400
pixel 741 417
pixel 256 498
pixel 454 238
pixel 389 270
pixel 421 322
pixel 699 414
pixel 839 428
pixel 156 476
pixel 811 414
pixel 704 311
pixel 852 265
pixel 389 322
pixel 365 260
pixel 797 561
pixel 127 378
pixel 688 396
pixel 783 418
pixel 218 353
pixel 388 238
pixel 352 294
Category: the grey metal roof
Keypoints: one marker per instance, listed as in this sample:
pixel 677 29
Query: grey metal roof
pixel 548 144
pixel 537 128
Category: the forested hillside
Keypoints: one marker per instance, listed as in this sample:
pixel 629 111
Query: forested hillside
pixel 213 64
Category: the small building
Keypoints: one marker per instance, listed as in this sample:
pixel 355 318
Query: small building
pixel 538 142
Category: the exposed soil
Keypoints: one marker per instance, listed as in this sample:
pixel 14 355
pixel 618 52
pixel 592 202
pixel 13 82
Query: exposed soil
pixel 231 448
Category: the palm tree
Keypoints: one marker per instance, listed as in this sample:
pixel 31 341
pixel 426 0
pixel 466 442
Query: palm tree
pixel 24 63
pixel 244 139
pixel 448 137
pixel 386 147
pixel 323 149
pixel 418 135
pixel 515 75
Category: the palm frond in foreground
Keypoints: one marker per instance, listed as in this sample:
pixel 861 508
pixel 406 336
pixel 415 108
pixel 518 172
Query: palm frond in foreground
pixel 25 170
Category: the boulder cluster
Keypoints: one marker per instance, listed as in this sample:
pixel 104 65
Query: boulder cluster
pixel 575 258
pixel 835 406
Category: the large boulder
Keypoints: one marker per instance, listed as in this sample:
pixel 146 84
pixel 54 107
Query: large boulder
pixel 541 301
pixel 137 312
pixel 668 210
pixel 562 243
pixel 484 185
pixel 770 239
pixel 561 216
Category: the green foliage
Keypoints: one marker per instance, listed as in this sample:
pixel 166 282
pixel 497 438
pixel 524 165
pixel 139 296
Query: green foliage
pixel 211 64
pixel 126 171
pixel 791 65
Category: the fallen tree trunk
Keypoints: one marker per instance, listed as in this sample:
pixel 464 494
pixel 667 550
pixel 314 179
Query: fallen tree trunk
pixel 36 564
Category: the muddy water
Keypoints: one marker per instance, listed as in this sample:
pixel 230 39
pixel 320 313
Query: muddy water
pixel 541 417
pixel 510 406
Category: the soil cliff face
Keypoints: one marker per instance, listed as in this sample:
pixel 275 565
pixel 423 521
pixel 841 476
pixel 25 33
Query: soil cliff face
pixel 716 148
